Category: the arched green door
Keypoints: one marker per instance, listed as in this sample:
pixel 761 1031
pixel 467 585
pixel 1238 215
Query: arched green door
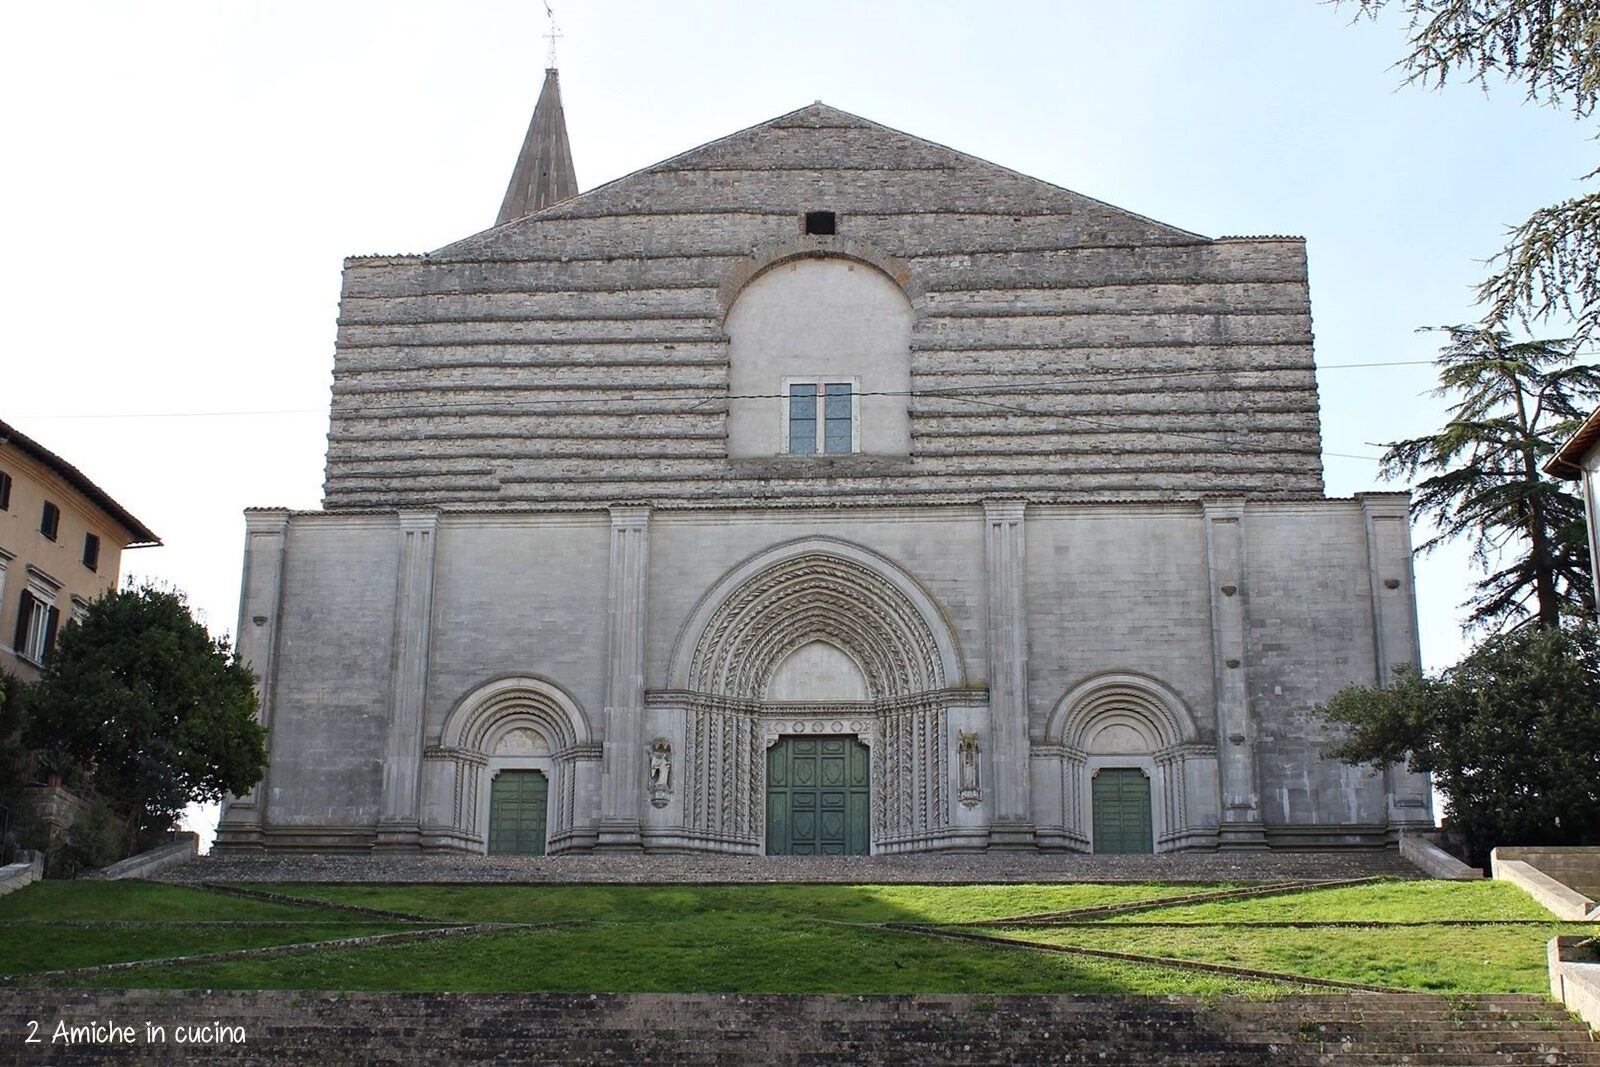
pixel 1122 811
pixel 817 790
pixel 517 804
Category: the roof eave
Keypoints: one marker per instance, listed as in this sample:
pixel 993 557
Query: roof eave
pixel 1568 461
pixel 143 536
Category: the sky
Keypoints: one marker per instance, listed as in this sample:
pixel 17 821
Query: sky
pixel 184 179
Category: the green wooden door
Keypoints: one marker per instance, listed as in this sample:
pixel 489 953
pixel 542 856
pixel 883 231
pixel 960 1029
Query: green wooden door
pixel 817 797
pixel 1122 811
pixel 517 804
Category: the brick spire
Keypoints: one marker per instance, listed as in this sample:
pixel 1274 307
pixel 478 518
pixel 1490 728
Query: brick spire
pixel 544 174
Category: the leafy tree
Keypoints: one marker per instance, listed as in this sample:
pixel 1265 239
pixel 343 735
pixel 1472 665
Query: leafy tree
pixel 93 840
pixel 1515 404
pixel 159 712
pixel 1551 262
pixel 1511 735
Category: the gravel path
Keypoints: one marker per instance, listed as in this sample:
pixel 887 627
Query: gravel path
pixel 700 868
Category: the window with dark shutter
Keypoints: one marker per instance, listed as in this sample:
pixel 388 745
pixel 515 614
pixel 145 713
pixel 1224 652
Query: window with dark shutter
pixel 5 491
pixel 51 625
pixel 91 551
pixel 50 520
pixel 24 617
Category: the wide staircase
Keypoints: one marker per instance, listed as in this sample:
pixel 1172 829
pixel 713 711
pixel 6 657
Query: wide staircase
pixel 400 1029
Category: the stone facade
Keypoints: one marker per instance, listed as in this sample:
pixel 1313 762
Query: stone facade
pixel 1074 523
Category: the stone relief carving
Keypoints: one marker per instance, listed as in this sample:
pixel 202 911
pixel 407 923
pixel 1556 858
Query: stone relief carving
pixel 660 771
pixel 967 752
pixel 725 765
pixel 522 742
pixel 806 598
pixel 910 770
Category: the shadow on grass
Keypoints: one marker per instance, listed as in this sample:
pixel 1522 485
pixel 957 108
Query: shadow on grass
pixel 758 939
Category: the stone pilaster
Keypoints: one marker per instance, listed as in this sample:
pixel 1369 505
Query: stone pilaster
pixel 256 642
pixel 1236 735
pixel 622 775
pixel 1394 627
pixel 1005 565
pixel 413 627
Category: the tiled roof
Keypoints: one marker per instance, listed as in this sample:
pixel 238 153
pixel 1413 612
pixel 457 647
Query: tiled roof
pixel 141 534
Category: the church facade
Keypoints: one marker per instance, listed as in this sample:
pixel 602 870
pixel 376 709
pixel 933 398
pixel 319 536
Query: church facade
pixel 821 490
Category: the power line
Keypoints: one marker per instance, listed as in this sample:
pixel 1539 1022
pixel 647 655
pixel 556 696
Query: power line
pixel 949 391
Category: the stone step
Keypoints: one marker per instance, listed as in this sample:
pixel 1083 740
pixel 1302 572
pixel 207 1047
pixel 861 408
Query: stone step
pixel 418 1029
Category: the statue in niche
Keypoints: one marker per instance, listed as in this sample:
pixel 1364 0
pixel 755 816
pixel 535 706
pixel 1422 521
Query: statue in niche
pixel 660 771
pixel 967 759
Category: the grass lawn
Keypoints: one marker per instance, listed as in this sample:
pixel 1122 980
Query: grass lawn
pixel 46 947
pixel 147 920
pixel 1388 901
pixel 651 904
pixel 1429 959
pixel 150 902
pixel 746 955
pixel 777 938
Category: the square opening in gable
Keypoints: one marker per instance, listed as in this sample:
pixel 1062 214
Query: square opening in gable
pixel 821 223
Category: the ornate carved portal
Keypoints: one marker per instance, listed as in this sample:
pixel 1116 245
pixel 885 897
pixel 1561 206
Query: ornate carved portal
pixel 817 638
pixel 1124 721
pixel 519 723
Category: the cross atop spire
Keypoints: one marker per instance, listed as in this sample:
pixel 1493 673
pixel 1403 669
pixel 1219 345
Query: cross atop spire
pixel 555 32
pixel 544 174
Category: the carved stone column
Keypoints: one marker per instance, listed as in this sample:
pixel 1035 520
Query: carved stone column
pixel 1236 735
pixel 260 599
pixel 622 776
pixel 1394 627
pixel 1005 568
pixel 398 828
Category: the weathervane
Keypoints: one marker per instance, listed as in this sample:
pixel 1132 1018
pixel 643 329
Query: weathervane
pixel 555 31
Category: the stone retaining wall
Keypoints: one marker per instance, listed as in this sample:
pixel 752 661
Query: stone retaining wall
pixel 152 862
pixel 14 876
pixel 1575 976
pixel 1565 902
pixel 1434 860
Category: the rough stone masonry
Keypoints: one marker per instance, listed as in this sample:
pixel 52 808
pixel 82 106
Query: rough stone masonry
pixel 822 490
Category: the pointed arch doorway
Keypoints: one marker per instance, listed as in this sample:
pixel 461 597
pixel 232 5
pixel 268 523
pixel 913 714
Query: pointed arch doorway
pixel 818 639
pixel 818 787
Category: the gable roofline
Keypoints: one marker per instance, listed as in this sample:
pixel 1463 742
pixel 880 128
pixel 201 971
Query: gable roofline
pixel 820 108
pixel 142 535
pixel 1568 461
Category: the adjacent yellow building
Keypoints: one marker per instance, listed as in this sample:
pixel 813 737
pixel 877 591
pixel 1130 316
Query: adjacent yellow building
pixel 61 542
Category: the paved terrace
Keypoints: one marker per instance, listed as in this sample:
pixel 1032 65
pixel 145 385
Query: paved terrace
pixel 621 868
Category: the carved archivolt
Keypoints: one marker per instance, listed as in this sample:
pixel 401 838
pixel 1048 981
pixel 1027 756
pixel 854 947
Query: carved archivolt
pixel 816 590
pixel 1128 702
pixel 764 610
pixel 483 716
